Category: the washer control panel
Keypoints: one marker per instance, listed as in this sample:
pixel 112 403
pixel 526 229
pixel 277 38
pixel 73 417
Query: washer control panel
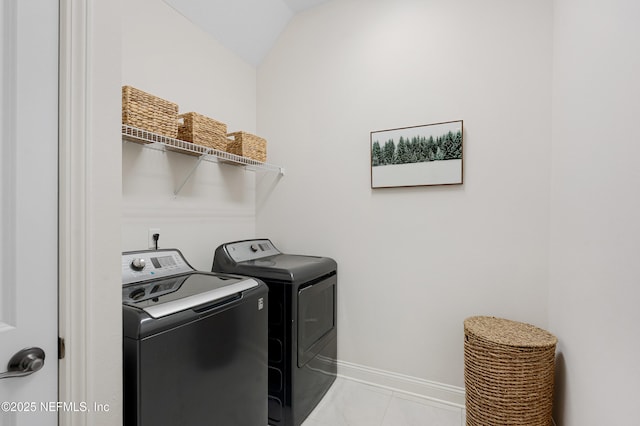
pixel 147 265
pixel 243 251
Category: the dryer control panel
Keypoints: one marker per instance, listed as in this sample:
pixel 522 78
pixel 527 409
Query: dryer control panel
pixel 242 251
pixel 152 264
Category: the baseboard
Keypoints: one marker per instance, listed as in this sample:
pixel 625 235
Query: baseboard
pixel 433 391
pixel 438 393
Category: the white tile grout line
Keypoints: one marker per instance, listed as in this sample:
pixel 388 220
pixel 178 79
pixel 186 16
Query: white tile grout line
pixel 386 409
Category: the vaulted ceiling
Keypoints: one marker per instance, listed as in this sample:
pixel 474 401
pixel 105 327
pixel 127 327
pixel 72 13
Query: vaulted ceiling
pixel 248 27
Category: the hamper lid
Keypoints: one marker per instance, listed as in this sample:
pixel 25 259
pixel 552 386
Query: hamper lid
pixel 507 332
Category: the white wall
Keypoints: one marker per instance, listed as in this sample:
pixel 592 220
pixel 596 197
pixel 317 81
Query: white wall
pixel 414 262
pixel 595 233
pixel 165 54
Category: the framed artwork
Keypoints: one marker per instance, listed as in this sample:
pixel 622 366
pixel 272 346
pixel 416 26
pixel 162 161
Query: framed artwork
pixel 430 154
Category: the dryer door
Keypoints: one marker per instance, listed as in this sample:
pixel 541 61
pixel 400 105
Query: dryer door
pixel 316 317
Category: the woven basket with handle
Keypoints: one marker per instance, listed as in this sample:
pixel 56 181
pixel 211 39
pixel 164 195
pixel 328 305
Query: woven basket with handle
pixel 248 145
pixel 148 112
pixel 202 130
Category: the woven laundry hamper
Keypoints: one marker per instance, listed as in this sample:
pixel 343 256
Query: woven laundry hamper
pixel 509 372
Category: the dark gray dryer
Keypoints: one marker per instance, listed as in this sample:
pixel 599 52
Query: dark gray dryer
pixel 302 323
pixel 194 346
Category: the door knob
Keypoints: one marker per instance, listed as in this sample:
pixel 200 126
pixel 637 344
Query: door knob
pixel 24 363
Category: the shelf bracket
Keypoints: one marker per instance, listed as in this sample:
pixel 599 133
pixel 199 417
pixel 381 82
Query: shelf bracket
pixel 177 191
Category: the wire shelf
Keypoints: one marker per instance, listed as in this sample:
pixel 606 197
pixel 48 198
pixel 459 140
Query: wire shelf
pixel 154 140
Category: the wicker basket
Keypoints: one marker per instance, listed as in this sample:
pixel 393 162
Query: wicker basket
pixel 148 112
pixel 202 130
pixel 508 373
pixel 248 145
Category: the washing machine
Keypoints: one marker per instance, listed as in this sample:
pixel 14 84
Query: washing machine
pixel 194 344
pixel 302 322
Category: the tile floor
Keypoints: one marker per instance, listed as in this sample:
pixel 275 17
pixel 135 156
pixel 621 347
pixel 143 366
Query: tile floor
pixel 351 403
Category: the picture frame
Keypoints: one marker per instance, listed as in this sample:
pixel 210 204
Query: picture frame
pixel 424 155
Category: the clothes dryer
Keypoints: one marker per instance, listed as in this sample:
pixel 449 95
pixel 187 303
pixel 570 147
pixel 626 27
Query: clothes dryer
pixel 302 322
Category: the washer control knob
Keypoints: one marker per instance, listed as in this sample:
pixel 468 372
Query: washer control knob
pixel 137 294
pixel 138 264
pixel 254 248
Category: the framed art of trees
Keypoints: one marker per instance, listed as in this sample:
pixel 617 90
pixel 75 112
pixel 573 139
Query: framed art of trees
pixel 416 156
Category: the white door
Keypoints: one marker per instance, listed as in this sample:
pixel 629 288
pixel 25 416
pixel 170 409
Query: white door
pixel 28 201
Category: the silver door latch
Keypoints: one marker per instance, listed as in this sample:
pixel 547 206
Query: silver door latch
pixel 24 363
